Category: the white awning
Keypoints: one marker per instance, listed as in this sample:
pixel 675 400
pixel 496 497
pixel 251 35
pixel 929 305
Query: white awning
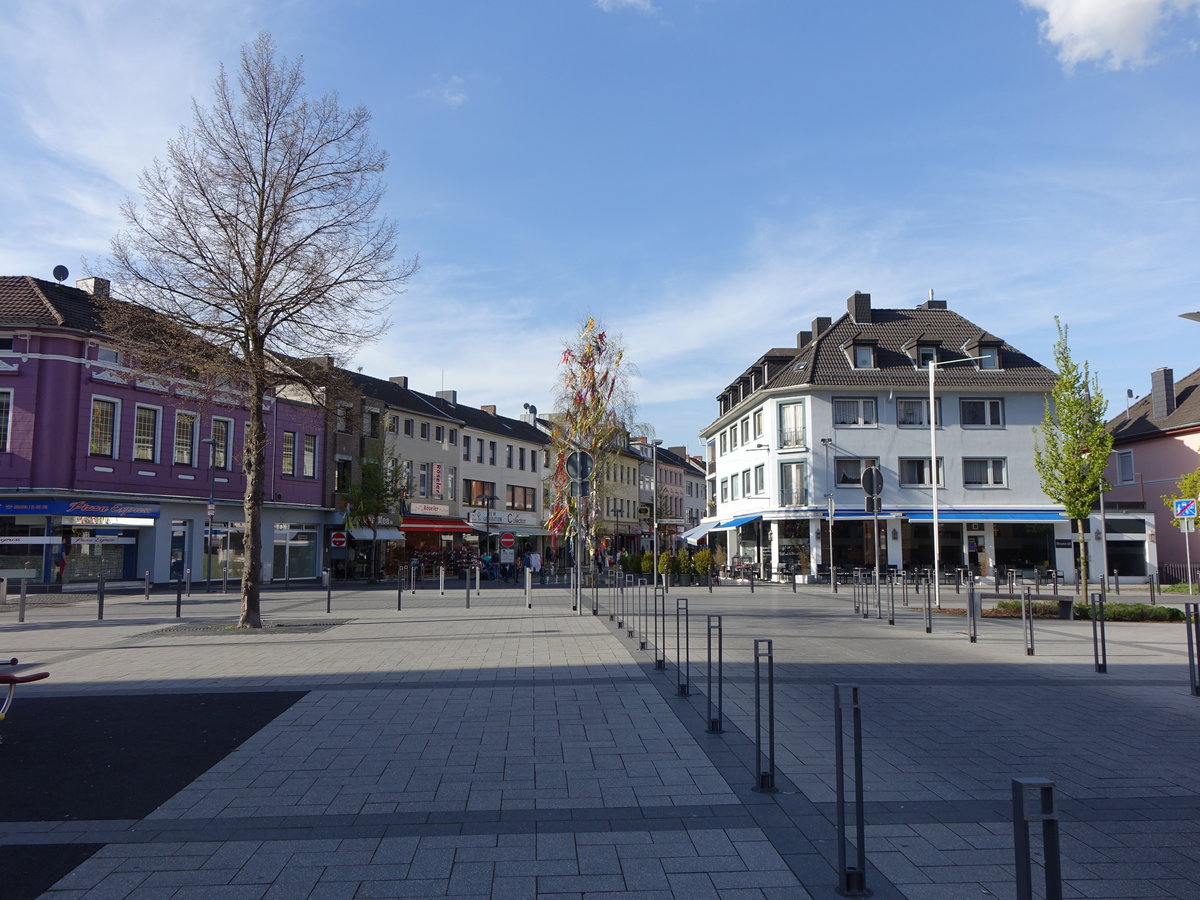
pixel 382 533
pixel 693 536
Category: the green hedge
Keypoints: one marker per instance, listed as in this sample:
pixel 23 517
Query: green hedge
pixel 1113 612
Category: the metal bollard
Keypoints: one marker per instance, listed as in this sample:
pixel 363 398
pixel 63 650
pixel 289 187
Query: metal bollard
pixel 1027 622
pixel 715 724
pixel 642 601
pixel 1191 617
pixel 1099 647
pixel 21 602
pixel 529 589
pixel 1116 581
pixel 399 587
pixel 442 580
pixel 287 578
pixel 973 612
pixel 187 578
pixel 147 584
pixel 660 638
pixel 751 573
pixel 178 596
pixel 1033 801
pixel 1151 582
pixel 100 598
pixel 852 880
pixel 683 668
pixel 328 579
pixel 225 578
pixel 928 609
pixel 596 594
pixel 3 589
pixel 413 571
pixel 764 649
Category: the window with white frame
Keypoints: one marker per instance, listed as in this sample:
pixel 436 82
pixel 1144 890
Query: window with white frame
pixel 1124 466
pixel 989 358
pixel 913 412
pixel 914 471
pixel 724 490
pixel 981 412
pixel 758 423
pixel 791 425
pixel 746 430
pixel 864 356
pixel 735 484
pixel 423 480
pixel 145 433
pixel 185 438
pixel 102 437
pixel 854 412
pixel 926 355
pixel 393 424
pixel 408 427
pixel 733 437
pixel 467 447
pixel 793 484
pixel 983 472
pixel 439 434
pixel 287 454
pixel 424 431
pixel 760 479
pixel 848 469
pixel 220 457
pixel 310 456
pixel 5 419
pixel 724 444
pixel 746 483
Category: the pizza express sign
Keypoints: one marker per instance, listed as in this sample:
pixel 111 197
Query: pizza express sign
pixel 118 508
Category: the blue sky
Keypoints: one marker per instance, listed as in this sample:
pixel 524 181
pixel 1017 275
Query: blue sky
pixel 704 176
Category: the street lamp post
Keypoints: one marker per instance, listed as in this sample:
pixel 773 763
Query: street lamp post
pixel 489 503
pixel 933 471
pixel 653 444
pixel 831 504
pixel 211 510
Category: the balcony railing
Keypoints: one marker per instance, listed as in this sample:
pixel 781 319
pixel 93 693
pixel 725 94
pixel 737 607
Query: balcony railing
pixel 791 437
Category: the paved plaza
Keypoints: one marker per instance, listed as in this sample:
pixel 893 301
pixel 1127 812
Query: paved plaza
pixel 514 752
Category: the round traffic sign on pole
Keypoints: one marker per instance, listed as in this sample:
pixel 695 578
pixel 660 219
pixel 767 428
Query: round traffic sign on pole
pixel 580 464
pixel 508 539
pixel 872 481
pixel 337 539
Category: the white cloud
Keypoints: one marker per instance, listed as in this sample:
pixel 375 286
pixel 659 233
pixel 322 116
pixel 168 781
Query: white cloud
pixel 646 7
pixel 446 90
pixel 1114 33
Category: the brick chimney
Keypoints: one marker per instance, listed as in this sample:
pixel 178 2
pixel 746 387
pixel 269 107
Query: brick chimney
pixel 401 380
pixel 1162 392
pixel 97 287
pixel 490 410
pixel 859 306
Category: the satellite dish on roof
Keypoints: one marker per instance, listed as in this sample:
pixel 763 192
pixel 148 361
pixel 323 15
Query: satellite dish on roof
pixel 60 274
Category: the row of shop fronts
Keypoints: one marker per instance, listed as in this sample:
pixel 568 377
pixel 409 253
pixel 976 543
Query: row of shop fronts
pixel 64 541
pixel 983 543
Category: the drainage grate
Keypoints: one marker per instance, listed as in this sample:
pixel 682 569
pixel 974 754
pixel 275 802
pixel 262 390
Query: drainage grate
pixel 229 627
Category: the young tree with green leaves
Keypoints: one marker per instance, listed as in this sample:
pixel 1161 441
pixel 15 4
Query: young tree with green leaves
pixel 1072 445
pixel 376 494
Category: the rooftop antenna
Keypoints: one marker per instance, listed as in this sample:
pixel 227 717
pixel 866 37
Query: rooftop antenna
pixel 60 274
pixel 1129 396
pixel 931 296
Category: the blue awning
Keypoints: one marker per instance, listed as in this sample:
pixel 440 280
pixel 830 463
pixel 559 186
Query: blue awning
pixel 736 523
pixel 986 515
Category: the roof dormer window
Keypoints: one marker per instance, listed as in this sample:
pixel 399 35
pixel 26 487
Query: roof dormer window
pixel 864 356
pixel 926 355
pixel 989 357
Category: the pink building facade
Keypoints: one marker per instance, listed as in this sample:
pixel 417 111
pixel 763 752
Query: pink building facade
pixel 103 473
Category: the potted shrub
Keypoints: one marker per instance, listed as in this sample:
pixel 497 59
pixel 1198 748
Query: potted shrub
pixel 703 563
pixel 674 568
pixel 687 568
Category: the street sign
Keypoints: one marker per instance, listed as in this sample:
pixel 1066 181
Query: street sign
pixel 212 510
pixel 580 464
pixel 1187 526
pixel 1185 509
pixel 508 539
pixel 872 481
pixel 337 539
pixel 581 488
pixel 873 505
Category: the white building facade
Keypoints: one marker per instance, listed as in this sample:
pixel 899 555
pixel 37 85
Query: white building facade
pixel 797 429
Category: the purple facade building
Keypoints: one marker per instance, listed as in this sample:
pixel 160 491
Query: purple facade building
pixel 105 473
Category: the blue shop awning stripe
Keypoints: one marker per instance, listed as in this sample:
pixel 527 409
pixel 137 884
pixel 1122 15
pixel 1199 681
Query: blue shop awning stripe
pixel 737 523
pixel 986 515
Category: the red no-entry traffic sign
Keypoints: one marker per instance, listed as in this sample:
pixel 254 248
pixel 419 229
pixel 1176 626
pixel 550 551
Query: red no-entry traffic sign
pixel 337 539
pixel 508 539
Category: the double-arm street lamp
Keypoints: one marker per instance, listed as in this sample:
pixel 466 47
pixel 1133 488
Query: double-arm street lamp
pixel 653 444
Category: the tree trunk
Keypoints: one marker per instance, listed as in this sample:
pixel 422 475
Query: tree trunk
pixel 254 457
pixel 1083 558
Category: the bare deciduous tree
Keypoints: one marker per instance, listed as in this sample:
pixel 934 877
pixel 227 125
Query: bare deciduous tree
pixel 259 243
